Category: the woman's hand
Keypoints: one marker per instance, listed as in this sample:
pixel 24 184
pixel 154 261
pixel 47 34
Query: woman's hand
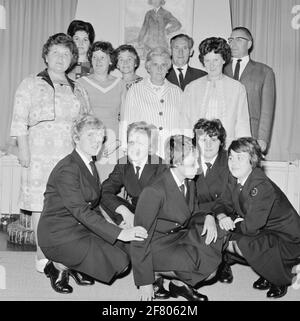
pixel 210 229
pixel 146 292
pixel 136 233
pixel 128 217
pixel 226 223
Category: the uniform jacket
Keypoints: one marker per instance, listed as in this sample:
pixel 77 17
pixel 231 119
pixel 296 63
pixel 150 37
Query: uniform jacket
pixel 259 81
pixel 123 175
pixel 210 187
pixel 191 74
pixel 163 211
pixel 262 205
pixel 71 206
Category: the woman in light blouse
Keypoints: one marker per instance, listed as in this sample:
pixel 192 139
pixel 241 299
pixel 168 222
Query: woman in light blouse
pixel 216 95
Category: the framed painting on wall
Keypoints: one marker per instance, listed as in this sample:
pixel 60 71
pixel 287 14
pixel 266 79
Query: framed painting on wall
pixel 146 24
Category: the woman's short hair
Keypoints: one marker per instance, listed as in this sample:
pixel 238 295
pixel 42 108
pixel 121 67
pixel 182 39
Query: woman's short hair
pixel 85 121
pixel 79 25
pixel 250 146
pixel 177 148
pixel 162 2
pixel 130 49
pixel 64 40
pixel 216 45
pixel 105 47
pixel 149 129
pixel 160 52
pixel 212 128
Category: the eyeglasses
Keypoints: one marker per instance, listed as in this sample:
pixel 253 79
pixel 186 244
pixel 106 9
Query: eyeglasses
pixel 237 39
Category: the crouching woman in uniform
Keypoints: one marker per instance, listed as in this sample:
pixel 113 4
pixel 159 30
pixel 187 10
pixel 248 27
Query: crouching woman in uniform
pixel 174 249
pixel 264 227
pixel 139 168
pixel 72 232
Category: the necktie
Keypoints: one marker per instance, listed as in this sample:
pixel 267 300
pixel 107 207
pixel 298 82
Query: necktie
pixel 236 75
pixel 137 174
pixel 182 189
pixel 239 187
pixel 94 171
pixel 181 78
pixel 209 166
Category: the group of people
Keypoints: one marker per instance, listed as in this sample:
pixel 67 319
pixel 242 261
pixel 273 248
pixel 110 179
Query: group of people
pixel 121 172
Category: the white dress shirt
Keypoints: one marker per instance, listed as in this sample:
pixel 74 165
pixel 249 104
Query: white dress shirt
pixel 203 163
pixel 85 159
pixel 141 165
pixel 184 69
pixel 178 182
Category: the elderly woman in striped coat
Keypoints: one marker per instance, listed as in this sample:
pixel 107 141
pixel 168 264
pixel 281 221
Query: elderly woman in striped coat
pixel 155 100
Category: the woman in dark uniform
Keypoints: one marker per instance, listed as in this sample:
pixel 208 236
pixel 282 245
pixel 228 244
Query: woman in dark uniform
pixel 72 232
pixel 210 137
pixel 174 248
pixel 265 228
pixel 137 169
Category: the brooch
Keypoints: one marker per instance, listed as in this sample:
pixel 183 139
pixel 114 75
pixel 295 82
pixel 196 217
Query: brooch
pixel 254 191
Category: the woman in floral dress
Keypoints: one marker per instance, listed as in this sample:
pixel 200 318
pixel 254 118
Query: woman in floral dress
pixel 44 109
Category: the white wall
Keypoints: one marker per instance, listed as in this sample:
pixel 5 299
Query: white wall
pixel 211 18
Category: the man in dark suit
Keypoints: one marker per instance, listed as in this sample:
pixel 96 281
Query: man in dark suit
pixel 181 73
pixel 72 232
pixel 259 80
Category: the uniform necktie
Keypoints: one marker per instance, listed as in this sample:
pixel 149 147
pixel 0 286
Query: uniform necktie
pixel 181 78
pixel 182 189
pixel 137 174
pixel 209 166
pixel 239 187
pixel 94 171
pixel 236 75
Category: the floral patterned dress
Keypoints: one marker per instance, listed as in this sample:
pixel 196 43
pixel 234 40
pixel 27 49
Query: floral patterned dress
pixel 45 114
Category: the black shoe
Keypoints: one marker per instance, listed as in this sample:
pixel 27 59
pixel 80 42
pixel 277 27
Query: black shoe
pixel 159 291
pixel 225 273
pixel 187 292
pixel 262 284
pixel 59 279
pixel 277 291
pixel 81 278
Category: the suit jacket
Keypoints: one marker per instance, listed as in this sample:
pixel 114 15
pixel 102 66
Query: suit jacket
pixel 210 187
pixel 123 175
pixel 71 206
pixel 164 212
pixel 191 74
pixel 259 81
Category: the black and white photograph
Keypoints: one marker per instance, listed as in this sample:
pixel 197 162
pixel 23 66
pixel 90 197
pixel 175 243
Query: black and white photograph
pixel 149 154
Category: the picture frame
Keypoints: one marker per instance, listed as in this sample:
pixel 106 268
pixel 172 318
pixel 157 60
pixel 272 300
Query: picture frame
pixel 144 28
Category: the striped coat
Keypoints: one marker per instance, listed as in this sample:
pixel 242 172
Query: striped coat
pixel 164 110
